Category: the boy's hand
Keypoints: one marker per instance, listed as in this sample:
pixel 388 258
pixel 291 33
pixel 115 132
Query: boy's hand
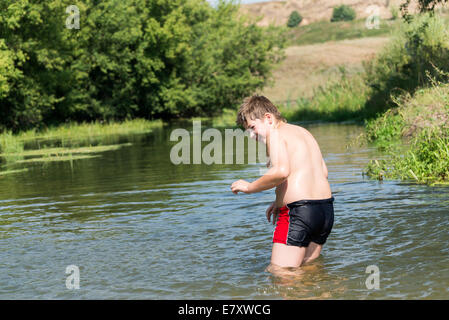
pixel 240 185
pixel 272 211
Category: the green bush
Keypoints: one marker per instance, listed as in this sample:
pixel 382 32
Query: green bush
pixel 394 12
pixel 408 61
pixel 294 19
pixel 343 13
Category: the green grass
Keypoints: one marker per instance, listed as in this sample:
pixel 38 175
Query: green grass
pixel 62 151
pixel 226 119
pixel 426 108
pixel 419 123
pixel 340 100
pixel 385 130
pixel 426 161
pixel 79 141
pixel 9 143
pixel 3 173
pixel 74 131
pixel 324 31
pixel 70 157
pixel 72 138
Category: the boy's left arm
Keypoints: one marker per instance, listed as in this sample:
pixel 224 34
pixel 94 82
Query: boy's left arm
pixel 277 174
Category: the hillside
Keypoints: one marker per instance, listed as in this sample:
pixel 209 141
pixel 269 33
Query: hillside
pixel 307 67
pixel 277 12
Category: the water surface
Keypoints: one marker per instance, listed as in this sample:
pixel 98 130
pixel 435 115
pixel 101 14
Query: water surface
pixel 140 227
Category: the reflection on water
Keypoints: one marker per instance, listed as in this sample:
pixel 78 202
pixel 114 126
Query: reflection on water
pixel 311 281
pixel 139 227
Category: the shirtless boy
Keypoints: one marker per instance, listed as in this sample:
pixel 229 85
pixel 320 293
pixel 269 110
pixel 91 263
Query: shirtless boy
pixel 303 207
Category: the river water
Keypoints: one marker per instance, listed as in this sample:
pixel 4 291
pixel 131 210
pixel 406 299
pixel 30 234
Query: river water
pixel 139 227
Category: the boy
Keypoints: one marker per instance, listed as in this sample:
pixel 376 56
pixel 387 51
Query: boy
pixel 304 204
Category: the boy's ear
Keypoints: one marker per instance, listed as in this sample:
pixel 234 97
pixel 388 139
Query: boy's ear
pixel 269 117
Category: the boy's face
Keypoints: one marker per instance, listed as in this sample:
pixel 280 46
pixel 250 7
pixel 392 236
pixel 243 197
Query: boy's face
pixel 259 128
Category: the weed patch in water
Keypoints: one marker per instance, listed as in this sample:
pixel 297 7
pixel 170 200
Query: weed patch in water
pixel 4 173
pixel 62 151
pixel 56 158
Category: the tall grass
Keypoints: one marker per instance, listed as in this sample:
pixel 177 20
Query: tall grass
pixel 9 143
pixel 427 107
pixel 76 131
pixel 226 119
pixel 337 101
pixel 386 129
pixel 10 147
pixel 67 138
pixel 426 161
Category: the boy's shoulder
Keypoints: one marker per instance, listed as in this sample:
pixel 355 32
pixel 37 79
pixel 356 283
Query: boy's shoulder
pixel 292 131
pixel 291 126
pixel 297 135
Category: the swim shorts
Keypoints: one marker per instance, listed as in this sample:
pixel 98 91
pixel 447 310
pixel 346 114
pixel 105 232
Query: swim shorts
pixel 303 221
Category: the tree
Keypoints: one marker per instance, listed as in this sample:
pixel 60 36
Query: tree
pixel 35 47
pixel 428 5
pixel 343 13
pixel 294 19
pixel 129 58
pixel 423 5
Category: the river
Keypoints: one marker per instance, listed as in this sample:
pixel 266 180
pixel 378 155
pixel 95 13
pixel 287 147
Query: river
pixel 138 226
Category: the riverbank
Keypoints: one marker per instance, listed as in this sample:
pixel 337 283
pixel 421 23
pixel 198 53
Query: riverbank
pixel 72 141
pixel 420 123
pixel 67 142
pixel 411 77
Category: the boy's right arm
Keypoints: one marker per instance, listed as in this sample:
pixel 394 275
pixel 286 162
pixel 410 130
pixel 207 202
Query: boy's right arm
pixel 272 211
pixel 279 170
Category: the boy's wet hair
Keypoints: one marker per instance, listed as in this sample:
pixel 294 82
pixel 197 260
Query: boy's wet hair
pixel 254 107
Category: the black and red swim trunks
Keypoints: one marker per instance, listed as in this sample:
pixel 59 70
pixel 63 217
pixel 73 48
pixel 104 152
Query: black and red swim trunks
pixel 303 221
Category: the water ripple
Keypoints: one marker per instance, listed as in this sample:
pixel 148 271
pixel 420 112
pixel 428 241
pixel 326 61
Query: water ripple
pixel 141 228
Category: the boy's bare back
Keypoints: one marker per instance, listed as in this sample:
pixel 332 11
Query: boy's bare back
pixel 308 172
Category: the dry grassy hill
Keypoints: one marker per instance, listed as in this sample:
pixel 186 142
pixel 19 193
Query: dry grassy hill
pixel 307 67
pixel 277 12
